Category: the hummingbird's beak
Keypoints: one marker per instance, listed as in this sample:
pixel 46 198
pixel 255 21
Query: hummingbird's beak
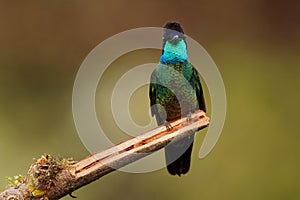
pixel 175 37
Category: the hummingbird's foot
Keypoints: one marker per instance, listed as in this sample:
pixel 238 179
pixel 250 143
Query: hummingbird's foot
pixel 168 126
pixel 189 117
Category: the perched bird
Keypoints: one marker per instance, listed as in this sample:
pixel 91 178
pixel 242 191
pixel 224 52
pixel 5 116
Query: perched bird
pixel 175 91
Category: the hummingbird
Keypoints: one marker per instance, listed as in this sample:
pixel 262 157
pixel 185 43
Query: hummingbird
pixel 175 91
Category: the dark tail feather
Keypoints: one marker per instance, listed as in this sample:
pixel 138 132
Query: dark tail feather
pixel 182 164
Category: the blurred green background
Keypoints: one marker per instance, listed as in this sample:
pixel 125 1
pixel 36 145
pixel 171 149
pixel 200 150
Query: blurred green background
pixel 254 43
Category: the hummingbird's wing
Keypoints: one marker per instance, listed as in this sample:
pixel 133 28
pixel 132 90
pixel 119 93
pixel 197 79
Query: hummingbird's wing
pixel 153 97
pixel 196 84
pixel 152 93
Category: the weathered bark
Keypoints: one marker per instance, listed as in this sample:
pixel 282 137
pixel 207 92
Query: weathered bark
pixel 53 178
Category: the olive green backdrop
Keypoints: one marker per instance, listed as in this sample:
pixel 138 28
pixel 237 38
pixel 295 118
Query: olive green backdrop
pixel 254 43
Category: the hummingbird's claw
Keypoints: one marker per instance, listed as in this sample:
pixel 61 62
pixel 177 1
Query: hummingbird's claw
pixel 189 117
pixel 168 126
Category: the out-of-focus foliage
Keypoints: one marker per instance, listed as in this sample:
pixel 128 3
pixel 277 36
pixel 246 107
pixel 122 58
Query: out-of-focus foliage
pixel 254 43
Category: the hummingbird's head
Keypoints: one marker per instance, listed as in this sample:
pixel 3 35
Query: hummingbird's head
pixel 174 44
pixel 173 33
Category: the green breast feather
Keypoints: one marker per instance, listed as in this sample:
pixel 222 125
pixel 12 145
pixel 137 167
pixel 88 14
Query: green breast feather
pixel 175 90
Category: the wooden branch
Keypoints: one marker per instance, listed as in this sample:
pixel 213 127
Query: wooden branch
pixel 53 178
